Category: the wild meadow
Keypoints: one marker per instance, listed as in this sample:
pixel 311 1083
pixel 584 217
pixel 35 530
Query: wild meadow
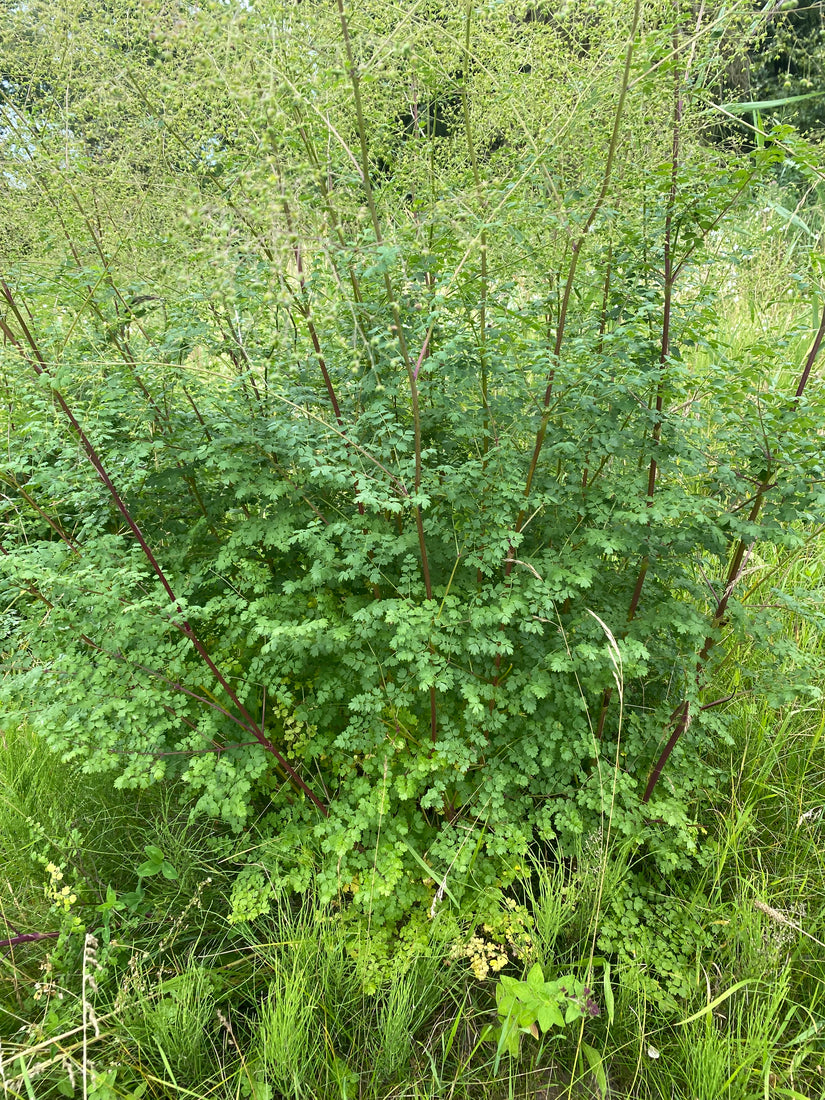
pixel 411 555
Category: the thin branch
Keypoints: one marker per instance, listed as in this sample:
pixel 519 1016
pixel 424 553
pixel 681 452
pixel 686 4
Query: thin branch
pixel 38 363
pixel 577 247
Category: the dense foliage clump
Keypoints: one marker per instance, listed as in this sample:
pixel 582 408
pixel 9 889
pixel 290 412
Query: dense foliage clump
pixel 372 462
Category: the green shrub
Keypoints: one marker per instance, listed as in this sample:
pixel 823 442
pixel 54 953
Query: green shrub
pixel 391 482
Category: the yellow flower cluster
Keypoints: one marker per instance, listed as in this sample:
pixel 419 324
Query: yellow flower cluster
pixel 482 955
pixel 501 938
pixel 62 896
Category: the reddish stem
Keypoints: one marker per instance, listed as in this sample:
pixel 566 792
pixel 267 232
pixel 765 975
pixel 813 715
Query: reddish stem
pixel 39 365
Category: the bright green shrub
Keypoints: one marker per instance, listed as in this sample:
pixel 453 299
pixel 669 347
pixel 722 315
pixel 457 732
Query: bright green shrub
pixel 435 488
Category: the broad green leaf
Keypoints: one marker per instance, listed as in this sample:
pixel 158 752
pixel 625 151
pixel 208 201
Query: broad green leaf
pixel 550 1016
pixel 145 870
pixel 596 1067
pixel 608 993
pixel 535 977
